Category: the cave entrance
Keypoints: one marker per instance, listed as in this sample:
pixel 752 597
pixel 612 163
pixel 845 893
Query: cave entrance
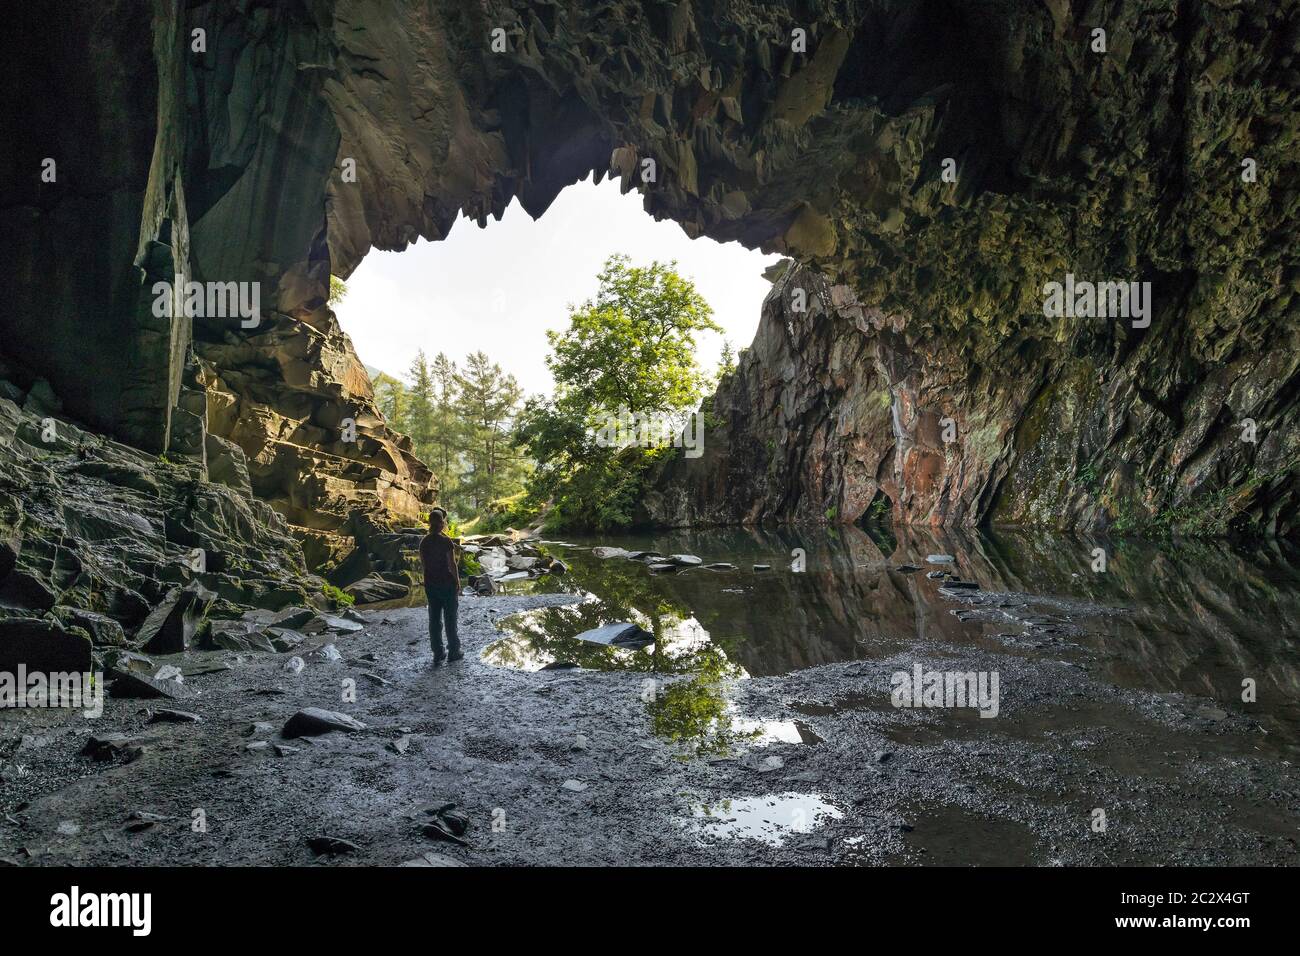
pixel 496 292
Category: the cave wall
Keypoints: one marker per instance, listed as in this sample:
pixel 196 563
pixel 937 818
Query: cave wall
pixel 1122 165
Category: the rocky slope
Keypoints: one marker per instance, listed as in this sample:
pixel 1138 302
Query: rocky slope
pixel 103 546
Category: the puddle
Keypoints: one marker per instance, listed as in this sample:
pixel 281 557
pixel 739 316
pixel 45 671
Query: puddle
pixel 771 819
pixel 952 836
pixel 547 636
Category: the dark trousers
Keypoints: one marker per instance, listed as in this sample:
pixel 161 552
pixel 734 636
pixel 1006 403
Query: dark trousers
pixel 442 607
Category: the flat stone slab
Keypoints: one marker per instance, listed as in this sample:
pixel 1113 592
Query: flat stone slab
pixel 619 634
pixel 313 721
pixel 142 686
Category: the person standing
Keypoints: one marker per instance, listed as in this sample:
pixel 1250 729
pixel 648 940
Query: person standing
pixel 441 587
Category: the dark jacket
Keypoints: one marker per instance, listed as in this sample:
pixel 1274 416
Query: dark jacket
pixel 438 555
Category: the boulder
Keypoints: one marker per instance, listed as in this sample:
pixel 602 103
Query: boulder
pixel 171 625
pixel 685 560
pixel 373 588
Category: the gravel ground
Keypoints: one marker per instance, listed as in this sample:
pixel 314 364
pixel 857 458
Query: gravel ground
pixel 562 767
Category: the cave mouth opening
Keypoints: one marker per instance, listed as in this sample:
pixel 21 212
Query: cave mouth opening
pixel 499 290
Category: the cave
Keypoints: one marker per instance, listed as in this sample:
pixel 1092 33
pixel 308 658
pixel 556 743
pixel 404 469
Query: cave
pixel 925 170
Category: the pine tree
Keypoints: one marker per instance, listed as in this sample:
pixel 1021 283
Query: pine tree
pixel 488 403
pixel 420 406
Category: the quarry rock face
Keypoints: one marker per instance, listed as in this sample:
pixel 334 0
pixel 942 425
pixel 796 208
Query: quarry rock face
pixel 931 168
pixel 834 413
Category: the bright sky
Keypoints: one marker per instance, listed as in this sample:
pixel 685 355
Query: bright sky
pixel 500 288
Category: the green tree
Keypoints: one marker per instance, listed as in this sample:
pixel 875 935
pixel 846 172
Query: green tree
pixel 420 405
pixel 630 347
pixel 487 406
pixel 338 291
pixel 390 396
pixel 447 429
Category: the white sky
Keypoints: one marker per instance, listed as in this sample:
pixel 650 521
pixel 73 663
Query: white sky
pixel 500 288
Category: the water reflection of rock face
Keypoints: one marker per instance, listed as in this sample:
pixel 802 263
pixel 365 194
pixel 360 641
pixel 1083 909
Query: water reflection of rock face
pixel 1202 617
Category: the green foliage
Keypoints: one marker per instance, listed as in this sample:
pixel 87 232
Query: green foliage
pixel 516 511
pixel 469 565
pixel 694 710
pixel 1210 515
pixel 486 402
pixel 338 291
pixel 631 347
pixel 462 425
pixel 338 596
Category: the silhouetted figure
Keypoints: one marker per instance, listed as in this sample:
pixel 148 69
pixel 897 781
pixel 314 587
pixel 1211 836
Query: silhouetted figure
pixel 441 587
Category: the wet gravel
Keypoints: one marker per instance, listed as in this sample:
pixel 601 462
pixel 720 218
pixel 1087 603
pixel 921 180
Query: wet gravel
pixel 562 767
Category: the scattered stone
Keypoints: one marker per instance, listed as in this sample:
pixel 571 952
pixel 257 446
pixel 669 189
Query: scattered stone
pixel 108 746
pixel 761 763
pixel 560 666
pixel 762 567
pixel 165 715
pixel 577 786
pixel 295 665
pixel 312 721
pixel 257 745
pixel 663 567
pixel 140 820
pixel 940 559
pixel 169 672
pixel 720 566
pixel 685 560
pixel 331 846
pixel 438 830
pixel 283 750
pixel 606 553
pixel 400 745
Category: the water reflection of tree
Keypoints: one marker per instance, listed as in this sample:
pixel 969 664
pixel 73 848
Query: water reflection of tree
pixel 694 710
pixel 625 591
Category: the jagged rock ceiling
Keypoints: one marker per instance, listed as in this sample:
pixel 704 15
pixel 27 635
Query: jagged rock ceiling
pixel 1120 165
